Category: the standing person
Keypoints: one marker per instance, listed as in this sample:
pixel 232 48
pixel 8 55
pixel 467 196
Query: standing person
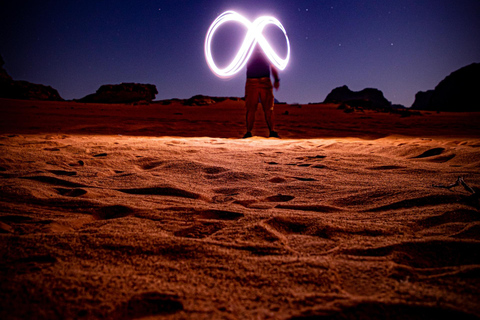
pixel 259 86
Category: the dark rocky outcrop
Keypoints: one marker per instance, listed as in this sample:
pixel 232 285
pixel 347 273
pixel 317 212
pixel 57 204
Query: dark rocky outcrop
pixel 422 99
pixel 367 98
pixel 458 92
pixel 12 89
pixel 201 100
pixel 122 93
pixel 4 76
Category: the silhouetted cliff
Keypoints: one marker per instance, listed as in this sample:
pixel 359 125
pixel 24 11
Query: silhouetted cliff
pixel 12 89
pixel 422 99
pixel 367 98
pixel 122 93
pixel 4 76
pixel 459 91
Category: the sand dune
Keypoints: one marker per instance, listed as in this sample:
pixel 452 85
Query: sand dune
pixel 124 212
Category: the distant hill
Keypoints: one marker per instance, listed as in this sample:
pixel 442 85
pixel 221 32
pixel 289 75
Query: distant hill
pixel 122 93
pixel 199 100
pixel 368 98
pixel 459 92
pixel 12 89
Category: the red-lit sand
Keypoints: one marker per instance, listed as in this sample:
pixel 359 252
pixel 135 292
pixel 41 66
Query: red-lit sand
pixel 117 211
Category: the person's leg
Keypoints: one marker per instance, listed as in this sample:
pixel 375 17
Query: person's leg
pixel 251 102
pixel 267 99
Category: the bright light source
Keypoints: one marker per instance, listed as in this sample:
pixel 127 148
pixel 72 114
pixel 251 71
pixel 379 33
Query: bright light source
pixel 254 35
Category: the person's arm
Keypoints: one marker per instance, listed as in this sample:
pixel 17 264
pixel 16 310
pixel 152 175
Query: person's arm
pixel 276 84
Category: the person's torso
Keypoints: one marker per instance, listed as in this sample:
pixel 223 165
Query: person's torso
pixel 258 67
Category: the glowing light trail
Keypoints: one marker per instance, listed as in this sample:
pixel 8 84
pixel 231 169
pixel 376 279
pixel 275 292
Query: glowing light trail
pixel 254 35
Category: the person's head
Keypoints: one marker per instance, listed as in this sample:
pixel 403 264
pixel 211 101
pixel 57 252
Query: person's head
pixel 258 52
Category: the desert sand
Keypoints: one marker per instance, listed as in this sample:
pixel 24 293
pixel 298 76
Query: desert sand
pixel 160 212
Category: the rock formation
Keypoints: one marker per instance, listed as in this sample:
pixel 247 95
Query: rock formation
pixel 459 91
pixel 4 76
pixel 122 93
pixel 422 99
pixel 12 89
pixel 201 100
pixel 367 98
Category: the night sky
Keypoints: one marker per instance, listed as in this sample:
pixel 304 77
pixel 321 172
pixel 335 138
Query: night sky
pixel 398 46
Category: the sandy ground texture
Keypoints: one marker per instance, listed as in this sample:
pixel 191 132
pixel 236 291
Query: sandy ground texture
pixel 160 212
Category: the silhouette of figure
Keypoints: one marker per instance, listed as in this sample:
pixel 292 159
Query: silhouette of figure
pixel 259 87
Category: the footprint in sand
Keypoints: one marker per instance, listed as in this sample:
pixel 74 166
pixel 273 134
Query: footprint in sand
pixel 261 233
pixel 265 250
pixel 151 164
pixel 55 181
pixel 380 168
pixel 279 198
pixel 100 155
pixel 314 208
pixel 302 226
pixel 430 200
pixel 313 158
pixel 112 212
pixel 63 172
pixel 304 179
pixel 77 192
pixel 308 160
pixel 223 198
pixel 79 163
pixel 264 203
pixel 147 305
pixel 218 215
pixel 434 154
pixel 162 191
pixel 426 254
pixel 208 222
pixel 430 153
pixel 288 226
pixel 444 158
pixel 304 165
pixel 277 180
pixel 214 170
pixel 200 230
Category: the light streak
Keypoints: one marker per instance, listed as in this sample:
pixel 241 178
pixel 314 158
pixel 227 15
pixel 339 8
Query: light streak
pixel 254 35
